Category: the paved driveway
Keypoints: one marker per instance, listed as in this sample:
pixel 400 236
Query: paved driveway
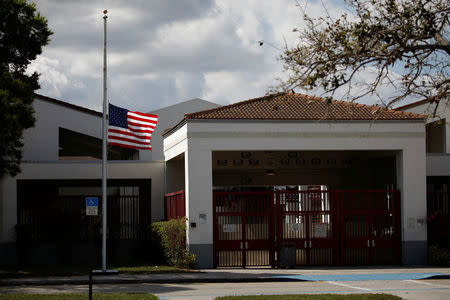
pixel 407 289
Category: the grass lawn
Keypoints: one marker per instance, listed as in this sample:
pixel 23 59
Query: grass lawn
pixel 73 270
pixel 314 297
pixel 147 269
pixel 103 296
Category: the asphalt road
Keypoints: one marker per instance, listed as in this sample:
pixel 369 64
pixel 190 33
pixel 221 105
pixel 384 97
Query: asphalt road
pixel 407 289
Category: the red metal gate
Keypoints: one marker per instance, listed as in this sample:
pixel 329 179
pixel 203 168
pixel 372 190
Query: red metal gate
pixel 306 220
pixel 370 227
pixel 243 229
pixel 325 227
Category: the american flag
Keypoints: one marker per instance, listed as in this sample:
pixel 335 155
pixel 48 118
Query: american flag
pixel 130 129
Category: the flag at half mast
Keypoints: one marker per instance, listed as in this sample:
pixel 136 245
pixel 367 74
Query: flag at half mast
pixel 130 129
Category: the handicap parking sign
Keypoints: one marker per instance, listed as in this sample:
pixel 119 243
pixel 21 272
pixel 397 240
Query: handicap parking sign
pixel 91 206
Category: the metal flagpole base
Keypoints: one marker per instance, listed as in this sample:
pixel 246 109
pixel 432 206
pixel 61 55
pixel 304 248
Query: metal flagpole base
pixel 106 272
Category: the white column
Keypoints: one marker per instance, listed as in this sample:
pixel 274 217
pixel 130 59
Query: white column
pixel 411 167
pixel 198 180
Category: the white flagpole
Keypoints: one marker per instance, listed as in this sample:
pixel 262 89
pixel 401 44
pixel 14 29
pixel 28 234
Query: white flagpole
pixel 104 150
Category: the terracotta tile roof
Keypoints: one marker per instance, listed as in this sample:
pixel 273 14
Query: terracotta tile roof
pixel 292 106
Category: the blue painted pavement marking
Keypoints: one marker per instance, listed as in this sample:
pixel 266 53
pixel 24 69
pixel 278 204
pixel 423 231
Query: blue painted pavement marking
pixel 360 277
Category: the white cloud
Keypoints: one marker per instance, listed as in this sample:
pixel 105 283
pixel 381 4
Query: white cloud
pixel 232 86
pixel 162 52
pixel 51 79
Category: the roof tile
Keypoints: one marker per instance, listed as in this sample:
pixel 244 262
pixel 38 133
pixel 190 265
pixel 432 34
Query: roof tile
pixel 290 106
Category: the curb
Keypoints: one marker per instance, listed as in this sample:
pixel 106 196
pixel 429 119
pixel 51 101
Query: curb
pixel 45 282
pixel 131 281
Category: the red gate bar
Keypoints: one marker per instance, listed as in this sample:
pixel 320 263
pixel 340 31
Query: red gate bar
pixel 324 227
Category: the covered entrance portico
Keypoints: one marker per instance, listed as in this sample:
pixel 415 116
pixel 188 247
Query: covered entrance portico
pixel 368 176
pixel 345 213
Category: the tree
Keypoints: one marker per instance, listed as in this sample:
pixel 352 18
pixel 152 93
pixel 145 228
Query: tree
pixel 23 33
pixel 404 43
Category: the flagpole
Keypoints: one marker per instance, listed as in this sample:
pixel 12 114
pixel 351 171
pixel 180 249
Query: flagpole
pixel 104 150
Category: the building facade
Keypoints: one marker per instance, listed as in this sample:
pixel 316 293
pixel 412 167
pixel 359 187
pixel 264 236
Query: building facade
pixel 327 152
pixel 337 183
pixel 62 164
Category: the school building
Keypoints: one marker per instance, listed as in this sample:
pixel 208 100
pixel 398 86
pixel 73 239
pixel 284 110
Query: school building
pixel 285 179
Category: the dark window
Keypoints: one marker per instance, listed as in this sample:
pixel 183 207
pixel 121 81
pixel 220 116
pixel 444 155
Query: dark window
pixel 435 136
pixel 77 146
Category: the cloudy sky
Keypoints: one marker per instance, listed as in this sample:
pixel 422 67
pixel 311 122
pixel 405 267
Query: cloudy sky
pixel 164 52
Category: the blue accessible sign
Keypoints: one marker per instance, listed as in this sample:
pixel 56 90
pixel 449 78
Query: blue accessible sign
pixel 91 206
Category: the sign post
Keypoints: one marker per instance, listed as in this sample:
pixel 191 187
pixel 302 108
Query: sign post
pixel 91 210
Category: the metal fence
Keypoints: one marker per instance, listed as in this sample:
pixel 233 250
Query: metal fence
pixel 321 227
pixel 175 205
pixel 60 224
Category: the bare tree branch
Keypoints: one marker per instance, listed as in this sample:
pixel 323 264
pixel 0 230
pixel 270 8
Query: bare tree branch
pixel 404 41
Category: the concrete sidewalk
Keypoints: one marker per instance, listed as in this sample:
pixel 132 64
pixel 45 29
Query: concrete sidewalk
pixel 249 275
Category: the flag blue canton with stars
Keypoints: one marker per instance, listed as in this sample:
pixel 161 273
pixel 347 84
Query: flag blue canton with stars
pixel 118 116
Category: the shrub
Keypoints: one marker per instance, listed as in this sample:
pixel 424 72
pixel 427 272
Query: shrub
pixel 438 256
pixel 157 255
pixel 173 239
